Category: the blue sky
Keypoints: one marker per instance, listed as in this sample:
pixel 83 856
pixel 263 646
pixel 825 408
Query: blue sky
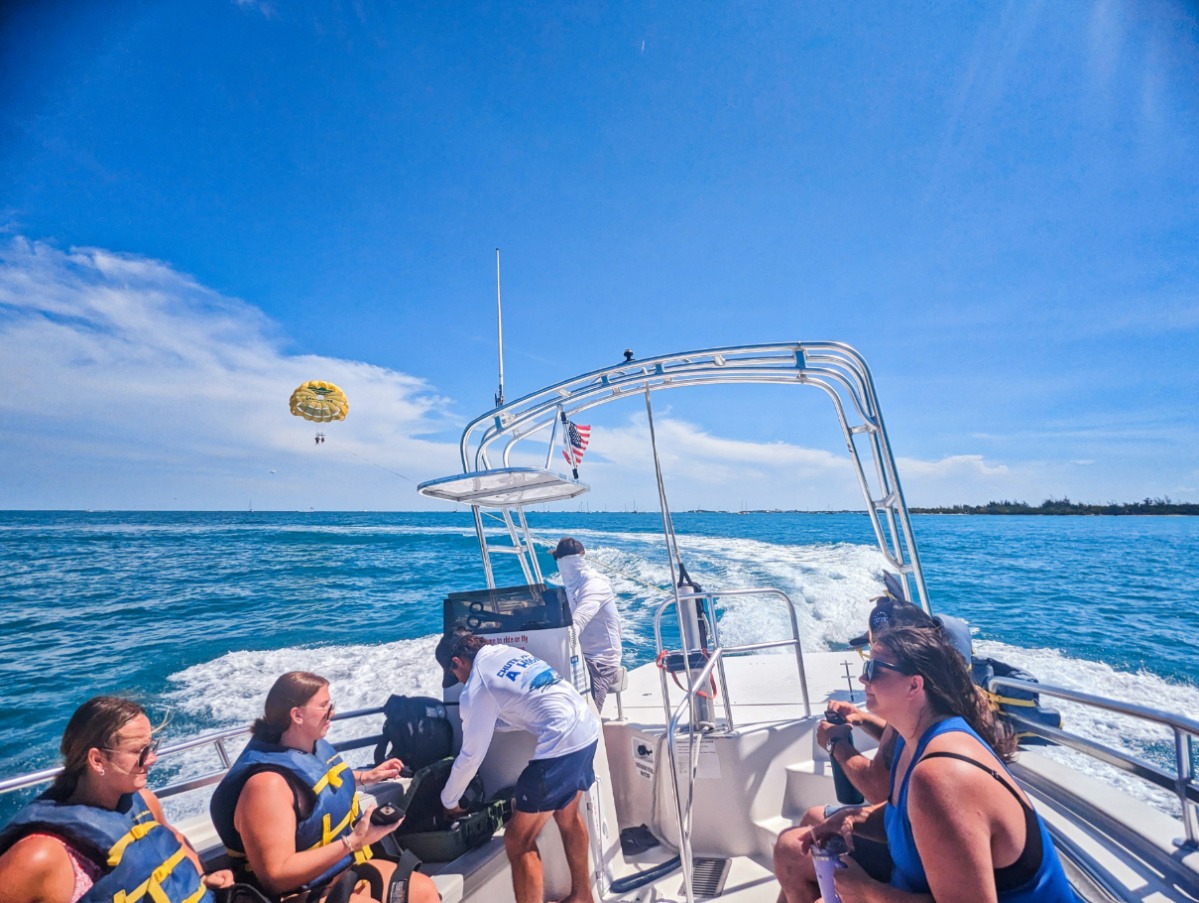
pixel 204 203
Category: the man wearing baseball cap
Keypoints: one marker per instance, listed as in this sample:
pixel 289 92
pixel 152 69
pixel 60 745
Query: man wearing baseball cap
pixel 510 689
pixel 593 610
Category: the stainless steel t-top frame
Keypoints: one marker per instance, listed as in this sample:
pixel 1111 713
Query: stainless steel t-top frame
pixel 490 481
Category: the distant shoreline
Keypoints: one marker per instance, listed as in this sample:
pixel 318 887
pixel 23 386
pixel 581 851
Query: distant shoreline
pixel 1049 507
pixel 1065 506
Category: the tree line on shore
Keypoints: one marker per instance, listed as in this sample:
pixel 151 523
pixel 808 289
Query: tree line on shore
pixel 1066 506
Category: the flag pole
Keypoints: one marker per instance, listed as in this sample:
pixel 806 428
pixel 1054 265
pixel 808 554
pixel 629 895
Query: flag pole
pixel 499 316
pixel 568 448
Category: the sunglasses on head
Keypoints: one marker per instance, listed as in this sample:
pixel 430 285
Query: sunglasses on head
pixel 872 666
pixel 142 754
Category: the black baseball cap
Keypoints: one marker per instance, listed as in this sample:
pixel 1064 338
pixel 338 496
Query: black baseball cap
pixel 889 611
pixel 567 545
pixel 448 647
pixel 880 616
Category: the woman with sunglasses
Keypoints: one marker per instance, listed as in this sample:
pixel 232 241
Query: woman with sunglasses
pixel 98 832
pixel 958 827
pixel 288 810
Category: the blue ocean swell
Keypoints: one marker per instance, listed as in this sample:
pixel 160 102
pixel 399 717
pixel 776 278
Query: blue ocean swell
pixel 1120 590
pixel 118 602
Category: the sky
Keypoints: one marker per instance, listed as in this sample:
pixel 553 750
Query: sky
pixel 204 204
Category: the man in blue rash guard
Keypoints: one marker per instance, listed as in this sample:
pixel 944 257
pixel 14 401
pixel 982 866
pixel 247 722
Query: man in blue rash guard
pixel 509 688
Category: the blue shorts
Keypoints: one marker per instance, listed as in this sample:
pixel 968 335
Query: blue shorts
pixel 547 785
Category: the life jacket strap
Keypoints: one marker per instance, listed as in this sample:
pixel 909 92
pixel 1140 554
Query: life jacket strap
pixel 134 834
pixel 152 886
pixel 333 778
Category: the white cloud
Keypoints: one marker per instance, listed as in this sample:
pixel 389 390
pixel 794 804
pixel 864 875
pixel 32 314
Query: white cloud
pixel 692 446
pixel 953 466
pixel 130 385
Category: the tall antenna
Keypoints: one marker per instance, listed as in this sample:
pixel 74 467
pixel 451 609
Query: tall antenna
pixel 499 316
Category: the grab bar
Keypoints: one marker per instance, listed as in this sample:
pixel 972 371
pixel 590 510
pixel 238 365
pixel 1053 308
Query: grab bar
pixel 215 739
pixel 1186 730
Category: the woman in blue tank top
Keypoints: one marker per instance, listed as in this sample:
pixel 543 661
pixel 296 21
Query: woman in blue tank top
pixel 958 827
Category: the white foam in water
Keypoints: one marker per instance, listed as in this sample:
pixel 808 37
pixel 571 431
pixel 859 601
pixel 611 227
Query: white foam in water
pixel 1143 739
pixel 830 584
pixel 230 692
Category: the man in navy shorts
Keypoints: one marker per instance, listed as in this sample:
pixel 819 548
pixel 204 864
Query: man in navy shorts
pixel 507 684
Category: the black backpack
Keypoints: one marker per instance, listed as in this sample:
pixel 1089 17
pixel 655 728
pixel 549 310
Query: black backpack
pixel 416 730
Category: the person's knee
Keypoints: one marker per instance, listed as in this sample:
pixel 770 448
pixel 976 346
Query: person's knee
pixel 421 889
pixel 518 843
pixel 787 844
pixel 787 850
pixel 569 816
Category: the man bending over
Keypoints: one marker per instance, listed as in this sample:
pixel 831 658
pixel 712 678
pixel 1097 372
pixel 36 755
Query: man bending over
pixel 510 685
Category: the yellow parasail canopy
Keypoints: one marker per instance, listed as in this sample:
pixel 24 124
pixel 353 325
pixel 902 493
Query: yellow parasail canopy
pixel 319 401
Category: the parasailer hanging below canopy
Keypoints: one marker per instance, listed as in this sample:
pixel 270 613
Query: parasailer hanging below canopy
pixel 320 402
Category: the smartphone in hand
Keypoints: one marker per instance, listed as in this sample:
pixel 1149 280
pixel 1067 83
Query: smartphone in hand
pixel 387 814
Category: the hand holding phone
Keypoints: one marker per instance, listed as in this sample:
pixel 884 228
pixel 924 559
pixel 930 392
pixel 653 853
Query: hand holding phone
pixel 387 814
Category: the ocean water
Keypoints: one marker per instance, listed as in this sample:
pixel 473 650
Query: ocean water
pixel 195 614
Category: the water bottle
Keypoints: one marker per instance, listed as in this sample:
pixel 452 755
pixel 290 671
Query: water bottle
pixel 826 857
pixel 846 792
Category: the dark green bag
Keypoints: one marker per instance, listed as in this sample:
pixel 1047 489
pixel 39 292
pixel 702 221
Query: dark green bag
pixel 426 831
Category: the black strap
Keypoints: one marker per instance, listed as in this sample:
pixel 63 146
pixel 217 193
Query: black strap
pixel 977 764
pixel 397 888
pixel 343 887
pixel 1028 863
pixel 240 893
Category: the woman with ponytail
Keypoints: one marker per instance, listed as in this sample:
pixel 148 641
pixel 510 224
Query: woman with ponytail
pixel 289 814
pixel 958 827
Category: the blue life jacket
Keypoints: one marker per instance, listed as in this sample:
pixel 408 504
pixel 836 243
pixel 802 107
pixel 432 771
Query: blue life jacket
pixel 140 858
pixel 321 776
pixel 1047 885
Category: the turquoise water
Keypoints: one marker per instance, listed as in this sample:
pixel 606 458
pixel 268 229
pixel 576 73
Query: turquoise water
pixel 196 613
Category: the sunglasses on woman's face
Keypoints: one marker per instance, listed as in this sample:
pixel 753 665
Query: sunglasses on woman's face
pixel 872 666
pixel 142 754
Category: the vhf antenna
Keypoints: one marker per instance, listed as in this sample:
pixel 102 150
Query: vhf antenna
pixel 499 316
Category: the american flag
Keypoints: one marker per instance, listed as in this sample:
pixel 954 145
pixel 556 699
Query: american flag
pixel 577 438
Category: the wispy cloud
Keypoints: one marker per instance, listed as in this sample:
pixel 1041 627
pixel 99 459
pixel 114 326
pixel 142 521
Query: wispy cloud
pixel 950 467
pixel 707 470
pixel 690 449
pixel 127 373
pixel 266 8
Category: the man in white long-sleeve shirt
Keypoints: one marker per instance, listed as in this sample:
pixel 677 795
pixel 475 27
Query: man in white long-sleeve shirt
pixel 510 689
pixel 593 610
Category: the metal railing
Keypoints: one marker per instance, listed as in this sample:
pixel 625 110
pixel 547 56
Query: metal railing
pixel 697 681
pixel 217 740
pixel 834 368
pixel 1181 782
pixel 684 813
pixel 709 602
